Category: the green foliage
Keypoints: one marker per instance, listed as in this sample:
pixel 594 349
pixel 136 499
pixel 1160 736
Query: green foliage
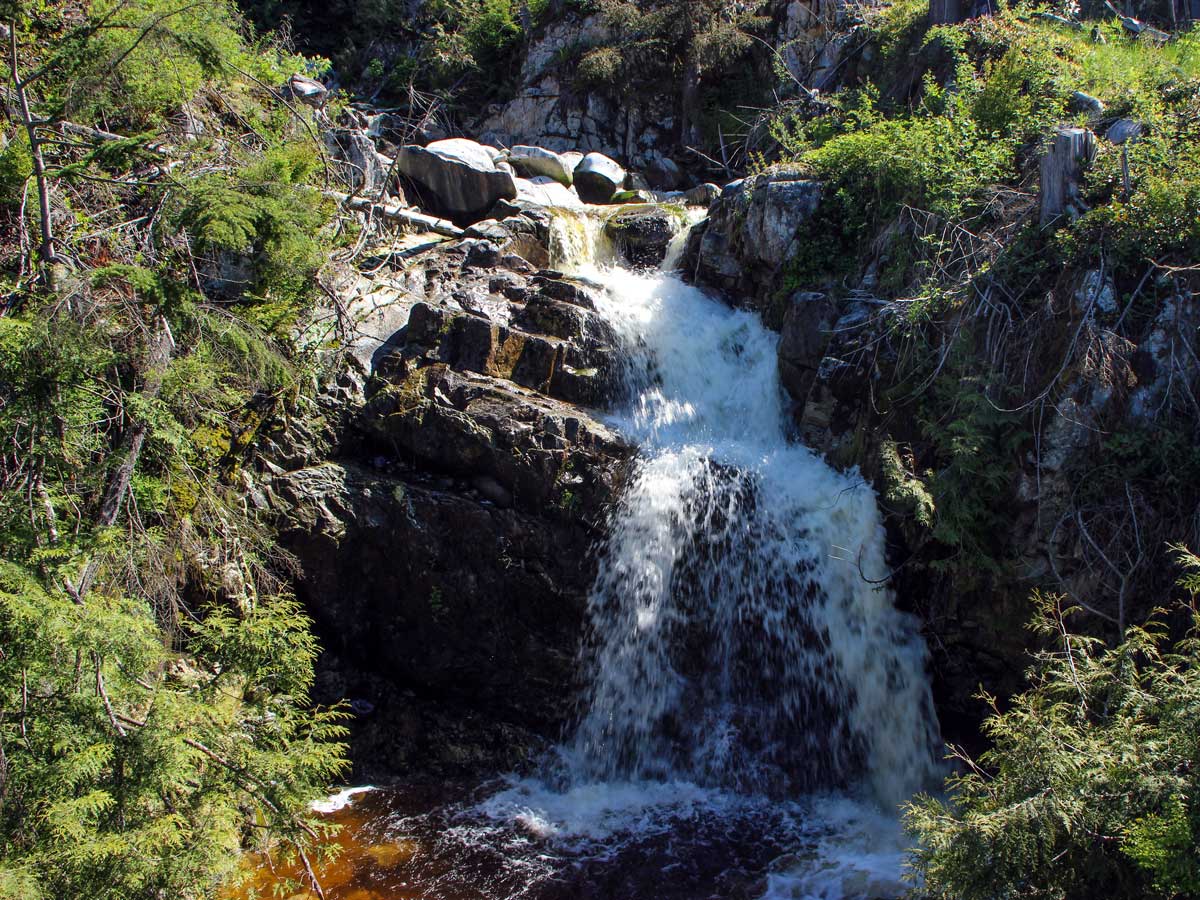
pixel 976 446
pixel 673 40
pixel 473 35
pixel 208 727
pixel 600 66
pixel 1024 93
pixel 265 212
pixel 154 669
pixel 938 164
pixel 472 46
pixel 1090 787
pixel 150 800
pixel 903 491
pixel 116 71
pixel 1159 219
pixel 16 166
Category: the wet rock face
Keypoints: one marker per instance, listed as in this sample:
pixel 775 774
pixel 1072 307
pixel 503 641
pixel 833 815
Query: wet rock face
pixel 802 340
pixel 642 235
pixel 443 534
pixel 425 581
pixel 526 450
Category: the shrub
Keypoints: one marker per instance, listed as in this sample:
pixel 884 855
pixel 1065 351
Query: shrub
pixel 1159 218
pixel 1090 787
pixel 117 72
pixel 938 164
pixel 266 211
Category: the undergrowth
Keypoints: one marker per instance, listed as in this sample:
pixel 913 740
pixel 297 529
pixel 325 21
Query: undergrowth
pixel 154 666
pixel 930 159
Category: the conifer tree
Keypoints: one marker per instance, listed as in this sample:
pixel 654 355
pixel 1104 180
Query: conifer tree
pixel 154 670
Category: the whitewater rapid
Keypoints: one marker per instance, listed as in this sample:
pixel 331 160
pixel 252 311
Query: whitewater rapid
pixel 755 708
pixel 745 660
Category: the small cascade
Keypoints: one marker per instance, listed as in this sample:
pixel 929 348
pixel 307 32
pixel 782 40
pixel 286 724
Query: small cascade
pixel 578 238
pixel 692 215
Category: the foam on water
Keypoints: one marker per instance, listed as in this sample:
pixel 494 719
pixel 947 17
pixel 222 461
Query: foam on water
pixel 745 655
pixel 742 636
pixel 340 800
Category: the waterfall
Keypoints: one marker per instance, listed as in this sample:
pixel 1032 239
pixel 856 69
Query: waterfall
pixel 754 705
pixel 742 635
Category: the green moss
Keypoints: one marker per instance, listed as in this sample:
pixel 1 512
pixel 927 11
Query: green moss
pixel 16 167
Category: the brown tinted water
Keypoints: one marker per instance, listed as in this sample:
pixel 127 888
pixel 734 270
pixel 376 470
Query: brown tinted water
pixel 520 841
pixel 430 843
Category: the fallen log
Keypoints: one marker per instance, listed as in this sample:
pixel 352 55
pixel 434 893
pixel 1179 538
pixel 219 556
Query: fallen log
pixel 397 213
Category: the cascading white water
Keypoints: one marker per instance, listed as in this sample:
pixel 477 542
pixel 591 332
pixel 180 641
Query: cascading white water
pixel 755 705
pixel 749 681
pixel 742 636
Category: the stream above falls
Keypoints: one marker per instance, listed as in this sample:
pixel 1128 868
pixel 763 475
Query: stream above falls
pixel 755 707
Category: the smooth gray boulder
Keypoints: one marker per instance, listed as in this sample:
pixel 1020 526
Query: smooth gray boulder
pixel 545 191
pixel 307 90
pixel 456 178
pixel 597 178
pixel 535 161
pixel 701 194
pixel 1123 130
pixel 1086 103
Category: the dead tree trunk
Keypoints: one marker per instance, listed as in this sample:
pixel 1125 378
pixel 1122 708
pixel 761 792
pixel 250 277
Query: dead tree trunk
pixel 115 492
pixel 1065 159
pixel 946 12
pixel 46 250
pixel 396 213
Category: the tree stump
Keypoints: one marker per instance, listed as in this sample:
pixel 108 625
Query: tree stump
pixel 946 12
pixel 1070 151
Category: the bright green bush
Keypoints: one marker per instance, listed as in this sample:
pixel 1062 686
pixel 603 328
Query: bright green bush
pixel 1024 93
pixel 117 72
pixel 267 212
pixel 1090 788
pixel 473 35
pixel 938 164
pixel 137 738
pixel 1159 218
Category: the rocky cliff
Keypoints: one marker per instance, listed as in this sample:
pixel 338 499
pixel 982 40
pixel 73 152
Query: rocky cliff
pixel 442 496
pixel 846 358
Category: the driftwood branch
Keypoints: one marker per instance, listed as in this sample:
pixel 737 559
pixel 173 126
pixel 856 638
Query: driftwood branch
pixel 46 250
pixel 397 213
